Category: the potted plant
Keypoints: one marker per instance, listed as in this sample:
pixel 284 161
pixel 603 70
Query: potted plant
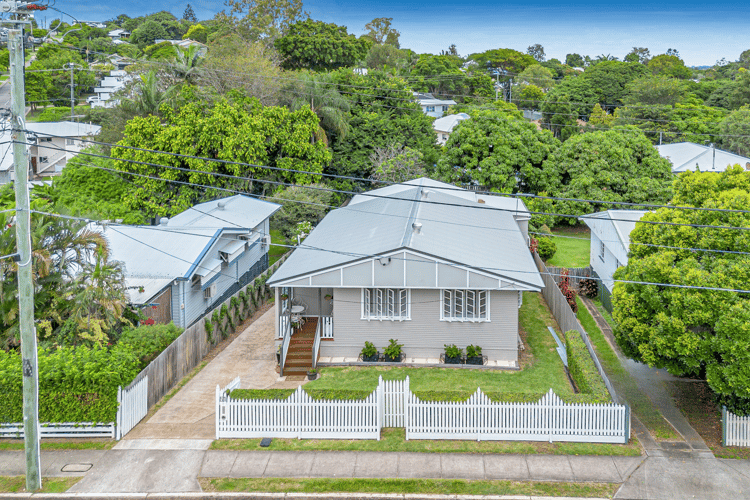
pixel 284 296
pixel 312 374
pixel 370 353
pixel 392 353
pixel 453 354
pixel 474 355
pixel 329 297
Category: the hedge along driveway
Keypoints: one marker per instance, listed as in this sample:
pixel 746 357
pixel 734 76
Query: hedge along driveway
pixel 189 414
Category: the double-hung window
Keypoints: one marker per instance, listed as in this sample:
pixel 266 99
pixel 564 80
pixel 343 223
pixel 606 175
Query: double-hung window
pixel 386 304
pixel 465 305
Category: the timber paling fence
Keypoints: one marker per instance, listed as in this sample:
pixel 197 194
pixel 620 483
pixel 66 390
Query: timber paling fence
pixel 153 382
pixel 575 274
pixel 567 319
pixel 392 404
pixel 735 429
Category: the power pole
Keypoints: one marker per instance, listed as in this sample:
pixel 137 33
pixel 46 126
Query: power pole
pixel 71 67
pixel 30 365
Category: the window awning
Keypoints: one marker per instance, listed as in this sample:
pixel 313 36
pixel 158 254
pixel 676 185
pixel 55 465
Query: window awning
pixel 208 269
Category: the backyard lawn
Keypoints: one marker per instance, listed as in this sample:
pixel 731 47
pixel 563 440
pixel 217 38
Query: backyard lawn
pixel 572 247
pixel 540 363
pixel 275 252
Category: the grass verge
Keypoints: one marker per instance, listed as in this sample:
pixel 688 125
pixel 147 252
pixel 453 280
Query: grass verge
pixel 572 247
pixel 275 252
pixel 17 484
pixel 71 444
pixel 624 384
pixel 394 440
pixel 422 486
pixel 696 401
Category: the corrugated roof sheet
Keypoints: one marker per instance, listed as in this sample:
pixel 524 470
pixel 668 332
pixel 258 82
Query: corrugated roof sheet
pixel 690 156
pixel 237 211
pixel 453 228
pixel 448 123
pixel 623 220
pixel 64 129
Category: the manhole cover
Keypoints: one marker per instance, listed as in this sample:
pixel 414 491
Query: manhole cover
pixel 76 467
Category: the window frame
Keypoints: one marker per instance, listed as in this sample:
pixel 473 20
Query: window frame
pixel 43 159
pixel 465 305
pixel 601 251
pixel 386 304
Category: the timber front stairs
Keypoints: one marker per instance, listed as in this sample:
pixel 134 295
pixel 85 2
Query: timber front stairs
pixel 299 358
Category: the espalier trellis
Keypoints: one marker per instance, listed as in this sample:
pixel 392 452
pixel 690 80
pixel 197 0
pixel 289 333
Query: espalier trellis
pixel 226 318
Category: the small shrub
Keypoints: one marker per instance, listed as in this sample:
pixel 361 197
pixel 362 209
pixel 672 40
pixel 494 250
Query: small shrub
pixel 147 342
pixel 567 291
pixel 233 303
pixel 588 288
pixel 369 350
pixel 393 350
pixel 546 248
pixel 452 351
pixel 473 351
pixel 215 317
pixel 209 331
pixel 582 368
pixel 224 311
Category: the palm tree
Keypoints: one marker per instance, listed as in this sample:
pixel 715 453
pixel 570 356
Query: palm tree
pixel 186 62
pixel 148 95
pixel 318 92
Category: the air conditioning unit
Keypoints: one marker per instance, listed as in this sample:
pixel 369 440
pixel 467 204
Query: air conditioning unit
pixel 209 292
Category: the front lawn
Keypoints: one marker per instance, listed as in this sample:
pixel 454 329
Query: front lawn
pixel 572 247
pixel 541 366
pixel 275 252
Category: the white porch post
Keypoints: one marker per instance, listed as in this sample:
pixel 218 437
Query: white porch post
pixel 277 305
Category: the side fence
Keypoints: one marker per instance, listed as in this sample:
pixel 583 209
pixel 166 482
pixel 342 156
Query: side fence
pixel 392 404
pixel 576 274
pixel 132 405
pixel 567 319
pixel 735 429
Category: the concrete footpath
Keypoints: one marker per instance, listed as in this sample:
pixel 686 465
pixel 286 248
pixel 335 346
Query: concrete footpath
pixel 139 469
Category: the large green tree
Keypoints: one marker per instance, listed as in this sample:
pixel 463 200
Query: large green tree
pixel 615 165
pixel 495 150
pixel 671 66
pixel 44 84
pixel 692 332
pixel 380 32
pixel 236 131
pixel 261 20
pixel 320 46
pixel 734 131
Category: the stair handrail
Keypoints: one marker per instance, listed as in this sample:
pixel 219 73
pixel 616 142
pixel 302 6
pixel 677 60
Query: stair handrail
pixel 316 345
pixel 285 350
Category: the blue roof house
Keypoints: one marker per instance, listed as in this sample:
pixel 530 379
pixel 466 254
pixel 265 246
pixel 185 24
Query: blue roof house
pixel 184 267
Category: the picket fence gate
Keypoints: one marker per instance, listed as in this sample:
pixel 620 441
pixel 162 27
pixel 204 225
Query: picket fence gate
pixel 392 404
pixel 132 407
pixel 735 429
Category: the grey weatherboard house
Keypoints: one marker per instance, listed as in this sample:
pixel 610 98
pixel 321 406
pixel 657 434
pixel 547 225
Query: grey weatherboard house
pixel 189 264
pixel 423 262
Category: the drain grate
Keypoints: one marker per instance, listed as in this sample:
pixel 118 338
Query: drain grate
pixel 76 467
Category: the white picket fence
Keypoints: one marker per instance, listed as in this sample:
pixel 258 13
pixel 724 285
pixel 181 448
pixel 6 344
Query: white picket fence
pixel 393 404
pixel 735 429
pixel 132 407
pixel 298 416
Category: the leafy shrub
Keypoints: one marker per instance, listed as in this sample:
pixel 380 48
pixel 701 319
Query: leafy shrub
pixel 546 248
pixel 369 350
pixel 473 351
pixel 582 368
pixel 76 384
pixel 567 291
pixel 451 351
pixel 393 350
pixel 147 342
pixel 588 288
pixel 300 204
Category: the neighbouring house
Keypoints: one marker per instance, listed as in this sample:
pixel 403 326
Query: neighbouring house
pixel 445 125
pixel 423 262
pixel 53 144
pixel 119 34
pixel 119 61
pixel 690 156
pixel 431 106
pixel 186 266
pixel 116 80
pixel 185 44
pixel 610 244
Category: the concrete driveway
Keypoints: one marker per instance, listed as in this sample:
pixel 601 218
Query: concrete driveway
pixel 190 413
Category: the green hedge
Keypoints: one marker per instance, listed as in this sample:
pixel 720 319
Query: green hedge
pixel 148 341
pixel 76 384
pixel 583 370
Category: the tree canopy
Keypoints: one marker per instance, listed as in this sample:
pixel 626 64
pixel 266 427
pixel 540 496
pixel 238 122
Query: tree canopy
pixel 692 332
pixel 320 46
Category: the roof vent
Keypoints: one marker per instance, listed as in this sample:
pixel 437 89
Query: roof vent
pixel 222 205
pixel 417 227
pixel 480 200
pixel 163 221
pixel 425 193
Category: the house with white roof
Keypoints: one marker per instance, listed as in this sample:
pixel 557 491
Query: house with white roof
pixel 431 106
pixel 187 265
pixel 444 126
pixel 690 156
pixel 423 262
pixel 53 144
pixel 118 34
pixel 116 80
pixel 610 241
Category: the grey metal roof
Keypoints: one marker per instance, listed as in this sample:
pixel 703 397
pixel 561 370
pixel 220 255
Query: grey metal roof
pixel 448 123
pixel 453 228
pixel 234 211
pixel 690 156
pixel 623 220
pixel 64 129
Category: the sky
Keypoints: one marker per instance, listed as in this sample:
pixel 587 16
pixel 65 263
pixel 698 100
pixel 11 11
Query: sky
pixel 703 32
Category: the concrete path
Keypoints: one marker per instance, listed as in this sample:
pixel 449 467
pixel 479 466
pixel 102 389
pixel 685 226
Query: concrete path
pixel 653 382
pixel 190 413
